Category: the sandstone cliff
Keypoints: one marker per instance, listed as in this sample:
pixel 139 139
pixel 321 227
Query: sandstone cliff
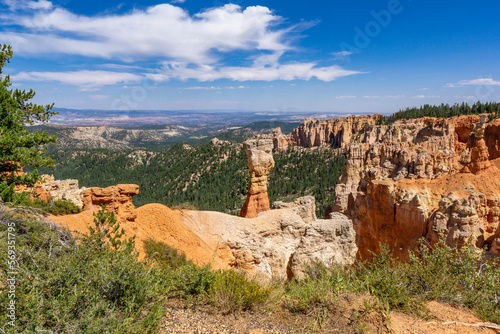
pixel 116 198
pixel 337 132
pixel 428 178
pixel 278 243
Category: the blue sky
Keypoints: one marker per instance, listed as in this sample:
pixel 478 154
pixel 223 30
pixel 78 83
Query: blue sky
pixel 271 55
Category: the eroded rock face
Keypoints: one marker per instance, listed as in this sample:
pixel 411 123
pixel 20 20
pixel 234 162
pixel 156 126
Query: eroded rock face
pixel 279 243
pixel 116 198
pixel 260 163
pixel 305 207
pixel 328 241
pixel 313 132
pixel 423 178
pixel 67 190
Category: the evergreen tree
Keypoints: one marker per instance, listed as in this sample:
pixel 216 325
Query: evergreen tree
pixel 18 145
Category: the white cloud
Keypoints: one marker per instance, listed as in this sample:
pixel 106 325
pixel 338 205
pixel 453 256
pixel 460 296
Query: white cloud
pixel 426 96
pixel 475 82
pixel 163 30
pixel 293 71
pixel 28 4
pixel 345 97
pixel 80 78
pixel 422 88
pixel 467 97
pixel 177 1
pixel 342 54
pixel 190 46
pixel 99 97
pixel 201 88
pixel 383 97
pixel 239 87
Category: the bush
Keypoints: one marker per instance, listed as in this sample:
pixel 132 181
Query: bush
pixel 320 288
pixel 460 276
pixel 163 255
pixel 64 285
pixel 190 281
pixel 232 291
pixel 388 279
pixel 57 207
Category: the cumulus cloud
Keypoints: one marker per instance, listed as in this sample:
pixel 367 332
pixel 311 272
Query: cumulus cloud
pixel 475 82
pixel 188 46
pixel 80 78
pixel 28 4
pixel 294 71
pixel 163 30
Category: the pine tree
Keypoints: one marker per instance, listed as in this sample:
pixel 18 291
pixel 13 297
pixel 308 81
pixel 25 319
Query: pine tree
pixel 18 145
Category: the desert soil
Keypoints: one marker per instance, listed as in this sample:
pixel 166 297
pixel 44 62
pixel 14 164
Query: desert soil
pixel 348 316
pixel 444 319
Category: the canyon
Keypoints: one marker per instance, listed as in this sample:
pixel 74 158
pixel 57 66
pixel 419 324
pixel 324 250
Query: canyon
pixel 429 178
pixel 423 179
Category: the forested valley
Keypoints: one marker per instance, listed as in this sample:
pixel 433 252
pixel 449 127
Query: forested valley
pixel 205 177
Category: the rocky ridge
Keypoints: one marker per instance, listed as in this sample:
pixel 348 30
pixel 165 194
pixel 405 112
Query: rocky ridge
pixel 112 138
pixel 427 177
pixel 278 243
pixel 339 132
pixel 66 190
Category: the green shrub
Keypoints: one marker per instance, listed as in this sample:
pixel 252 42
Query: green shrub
pixel 163 255
pixel 107 233
pixel 321 287
pixel 57 207
pixel 66 286
pixel 8 194
pixel 460 276
pixel 387 278
pixel 190 281
pixel 232 291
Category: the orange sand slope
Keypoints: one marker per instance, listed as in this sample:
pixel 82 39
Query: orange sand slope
pixel 160 223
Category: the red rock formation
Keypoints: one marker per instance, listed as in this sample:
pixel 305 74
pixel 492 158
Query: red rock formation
pixel 313 132
pixel 260 163
pixel 116 198
pixel 423 178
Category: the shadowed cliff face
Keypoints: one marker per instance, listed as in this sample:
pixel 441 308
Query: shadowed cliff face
pixel 260 163
pixel 339 132
pixel 427 177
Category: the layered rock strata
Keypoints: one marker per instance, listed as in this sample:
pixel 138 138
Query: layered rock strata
pixel 428 177
pixel 116 198
pixel 279 243
pixel 337 132
pixel 260 163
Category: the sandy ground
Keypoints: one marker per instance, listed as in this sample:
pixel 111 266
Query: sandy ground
pixel 160 223
pixel 163 224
